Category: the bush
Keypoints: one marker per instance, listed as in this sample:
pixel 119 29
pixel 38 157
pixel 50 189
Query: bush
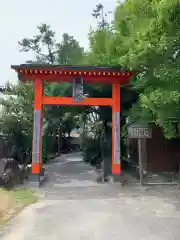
pixel 91 150
pixel 10 173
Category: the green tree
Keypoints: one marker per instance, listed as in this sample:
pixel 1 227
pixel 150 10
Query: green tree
pixel 149 33
pixel 100 15
pixel 144 38
pixel 43 44
pixel 69 51
pixel 16 119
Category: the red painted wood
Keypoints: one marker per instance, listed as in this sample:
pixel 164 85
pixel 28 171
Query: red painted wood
pixel 69 101
pixel 116 168
pixel 38 105
pixel 65 78
pixel 116 97
pixel 38 93
pixel 36 168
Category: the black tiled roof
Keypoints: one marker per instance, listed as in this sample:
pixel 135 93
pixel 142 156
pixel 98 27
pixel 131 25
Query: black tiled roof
pixel 70 67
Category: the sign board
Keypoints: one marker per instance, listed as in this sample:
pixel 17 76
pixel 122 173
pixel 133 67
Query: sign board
pixel 139 131
pixel 78 91
pixel 117 153
pixel 36 137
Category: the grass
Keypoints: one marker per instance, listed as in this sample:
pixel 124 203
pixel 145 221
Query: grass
pixel 12 202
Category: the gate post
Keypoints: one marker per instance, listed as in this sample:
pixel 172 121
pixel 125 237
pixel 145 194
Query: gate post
pixel 116 164
pixel 37 131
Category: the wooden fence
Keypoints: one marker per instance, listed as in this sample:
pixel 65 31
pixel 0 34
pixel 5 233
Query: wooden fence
pixel 159 154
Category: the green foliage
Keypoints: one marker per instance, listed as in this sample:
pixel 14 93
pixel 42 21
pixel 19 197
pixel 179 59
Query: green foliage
pixel 154 50
pixel 69 51
pixel 145 37
pixel 100 15
pixel 16 119
pixel 44 41
pixel 91 150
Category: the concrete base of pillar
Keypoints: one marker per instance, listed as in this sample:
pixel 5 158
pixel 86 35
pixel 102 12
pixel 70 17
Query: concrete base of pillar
pixel 35 180
pixel 119 178
pixel 116 178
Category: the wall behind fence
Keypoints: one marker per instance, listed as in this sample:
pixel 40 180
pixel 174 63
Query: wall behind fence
pixel 163 154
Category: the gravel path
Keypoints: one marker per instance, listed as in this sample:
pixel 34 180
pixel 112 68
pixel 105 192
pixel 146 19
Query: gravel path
pixel 74 206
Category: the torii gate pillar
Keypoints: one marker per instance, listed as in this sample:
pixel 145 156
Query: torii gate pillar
pixel 116 168
pixel 37 130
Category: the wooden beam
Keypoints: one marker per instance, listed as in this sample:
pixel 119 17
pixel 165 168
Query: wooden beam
pixel 69 101
pixel 61 78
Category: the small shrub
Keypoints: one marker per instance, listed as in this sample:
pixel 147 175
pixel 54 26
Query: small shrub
pixel 91 150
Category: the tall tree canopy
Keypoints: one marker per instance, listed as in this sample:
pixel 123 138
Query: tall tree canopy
pixel 145 37
pixel 152 38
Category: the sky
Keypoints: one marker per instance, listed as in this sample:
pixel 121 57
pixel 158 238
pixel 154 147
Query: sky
pixel 19 19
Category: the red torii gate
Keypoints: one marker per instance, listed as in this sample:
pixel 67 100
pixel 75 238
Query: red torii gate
pixel 58 73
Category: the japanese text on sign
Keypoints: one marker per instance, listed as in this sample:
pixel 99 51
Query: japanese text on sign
pixel 139 132
pixel 78 92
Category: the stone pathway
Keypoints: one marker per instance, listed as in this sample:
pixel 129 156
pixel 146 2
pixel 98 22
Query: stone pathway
pixel 74 206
